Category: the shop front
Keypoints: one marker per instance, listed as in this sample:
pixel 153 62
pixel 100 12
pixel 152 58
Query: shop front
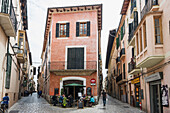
pixel 137 92
pixel 154 81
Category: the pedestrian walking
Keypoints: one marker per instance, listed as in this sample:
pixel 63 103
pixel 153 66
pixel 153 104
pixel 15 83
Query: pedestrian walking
pixel 104 97
pixel 6 101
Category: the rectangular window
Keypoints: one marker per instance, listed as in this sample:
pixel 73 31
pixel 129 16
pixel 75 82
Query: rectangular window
pixel 83 29
pixel 137 45
pixel 62 30
pixel 75 58
pixel 141 46
pixel 158 30
pixel 144 35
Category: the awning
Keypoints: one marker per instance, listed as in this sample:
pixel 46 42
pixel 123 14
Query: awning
pixel 74 84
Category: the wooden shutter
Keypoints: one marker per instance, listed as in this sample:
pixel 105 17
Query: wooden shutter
pixel 71 58
pixel 117 42
pixel 79 58
pixel 75 58
pixel 88 28
pixel 124 71
pixel 135 19
pixel 57 29
pixel 67 29
pixel 121 32
pixel 8 72
pixel 77 28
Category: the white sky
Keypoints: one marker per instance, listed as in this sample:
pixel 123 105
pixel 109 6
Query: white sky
pixel 37 12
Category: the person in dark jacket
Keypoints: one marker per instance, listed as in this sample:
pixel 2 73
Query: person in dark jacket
pixel 54 100
pixel 104 97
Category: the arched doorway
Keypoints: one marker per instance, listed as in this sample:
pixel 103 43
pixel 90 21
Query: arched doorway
pixel 66 81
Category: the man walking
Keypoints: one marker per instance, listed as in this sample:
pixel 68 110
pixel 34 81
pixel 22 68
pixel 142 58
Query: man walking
pixel 5 100
pixel 104 97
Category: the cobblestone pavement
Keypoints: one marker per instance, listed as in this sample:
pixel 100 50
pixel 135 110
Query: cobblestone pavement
pixel 32 104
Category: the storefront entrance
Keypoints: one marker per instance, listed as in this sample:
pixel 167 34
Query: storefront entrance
pixel 137 94
pixel 155 97
pixel 73 87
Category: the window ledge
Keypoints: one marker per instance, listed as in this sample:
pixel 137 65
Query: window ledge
pixel 62 37
pixel 83 37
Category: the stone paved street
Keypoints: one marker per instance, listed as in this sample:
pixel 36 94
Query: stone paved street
pixel 32 104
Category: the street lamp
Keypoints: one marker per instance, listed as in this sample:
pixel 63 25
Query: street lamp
pixel 15 48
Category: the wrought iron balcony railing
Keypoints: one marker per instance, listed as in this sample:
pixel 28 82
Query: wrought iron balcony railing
pixel 64 65
pixel 119 78
pixel 148 7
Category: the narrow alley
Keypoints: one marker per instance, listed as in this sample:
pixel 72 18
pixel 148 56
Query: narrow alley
pixel 33 104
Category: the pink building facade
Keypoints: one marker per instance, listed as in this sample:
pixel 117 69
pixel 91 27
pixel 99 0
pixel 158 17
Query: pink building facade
pixel 71 51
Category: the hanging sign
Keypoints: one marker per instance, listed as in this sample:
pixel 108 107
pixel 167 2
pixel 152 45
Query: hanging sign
pixel 136 80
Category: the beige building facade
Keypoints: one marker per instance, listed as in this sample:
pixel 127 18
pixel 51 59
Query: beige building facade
pixel 12 68
pixel 142 44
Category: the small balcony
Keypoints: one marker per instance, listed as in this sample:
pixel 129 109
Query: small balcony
pixel 8 19
pixel 122 53
pixel 150 5
pixel 117 60
pixel 64 68
pixel 132 69
pixel 119 78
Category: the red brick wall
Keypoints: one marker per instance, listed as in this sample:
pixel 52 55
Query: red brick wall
pixel 55 82
pixel 58 46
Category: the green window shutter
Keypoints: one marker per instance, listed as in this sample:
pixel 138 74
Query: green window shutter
pixel 88 28
pixel 57 29
pixel 67 29
pixel 77 28
pixel 8 72
pixel 117 42
pixel 121 32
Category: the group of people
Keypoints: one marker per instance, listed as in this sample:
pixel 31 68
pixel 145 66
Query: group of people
pixel 68 101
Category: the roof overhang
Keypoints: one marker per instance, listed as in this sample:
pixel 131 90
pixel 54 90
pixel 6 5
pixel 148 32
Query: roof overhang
pixel 125 7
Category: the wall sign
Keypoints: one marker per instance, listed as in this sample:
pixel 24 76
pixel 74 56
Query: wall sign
pixel 93 80
pixel 153 77
pixel 165 99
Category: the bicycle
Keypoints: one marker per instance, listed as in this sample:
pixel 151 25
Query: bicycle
pixel 3 108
